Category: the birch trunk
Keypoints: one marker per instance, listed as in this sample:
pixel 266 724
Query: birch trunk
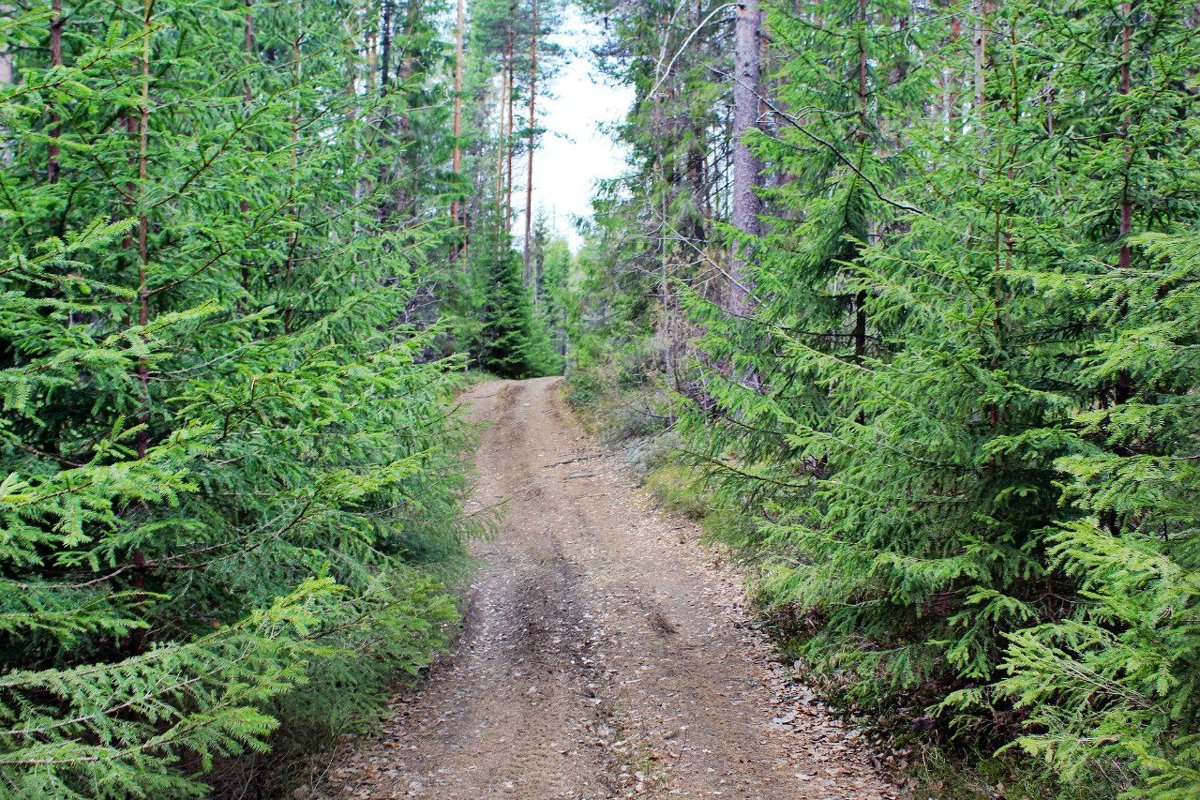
pixel 6 56
pixel 979 49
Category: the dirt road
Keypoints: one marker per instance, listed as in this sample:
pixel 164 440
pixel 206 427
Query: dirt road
pixel 603 655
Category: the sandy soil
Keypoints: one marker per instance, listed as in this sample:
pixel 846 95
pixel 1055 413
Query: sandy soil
pixel 604 654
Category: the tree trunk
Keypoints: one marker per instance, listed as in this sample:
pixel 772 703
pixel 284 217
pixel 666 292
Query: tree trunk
pixel 459 57
pixel 747 169
pixel 1124 390
pixel 530 279
pixel 6 56
pixel 142 443
pixel 385 63
pixel 143 227
pixel 404 201
pixel 7 73
pixel 502 135
pixel 1126 224
pixel 247 99
pixel 372 54
pixel 56 29
pixel 386 46
pixel 294 207
pixel 511 99
pixel 249 45
pixel 696 172
pixel 860 300
pixel 979 48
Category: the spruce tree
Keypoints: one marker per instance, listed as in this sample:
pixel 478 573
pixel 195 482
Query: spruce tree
pixel 506 333
pixel 231 486
pixel 954 434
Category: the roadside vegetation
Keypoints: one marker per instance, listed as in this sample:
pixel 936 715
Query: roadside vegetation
pixel 907 291
pixel 900 299
pixel 245 263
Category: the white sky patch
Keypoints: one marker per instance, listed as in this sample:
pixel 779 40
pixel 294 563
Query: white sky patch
pixel 574 154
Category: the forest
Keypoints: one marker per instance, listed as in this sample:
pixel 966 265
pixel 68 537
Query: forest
pixel 900 299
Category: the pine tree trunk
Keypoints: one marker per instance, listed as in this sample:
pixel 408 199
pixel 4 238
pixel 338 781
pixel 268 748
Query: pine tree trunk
pixel 56 29
pixel 860 300
pixel 530 279
pixel 511 100
pixel 502 136
pixel 248 43
pixel 747 168
pixel 459 57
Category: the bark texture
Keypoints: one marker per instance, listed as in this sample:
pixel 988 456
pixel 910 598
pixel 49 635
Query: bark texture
pixel 747 169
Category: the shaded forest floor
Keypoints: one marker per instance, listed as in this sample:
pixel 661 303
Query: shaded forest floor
pixel 604 654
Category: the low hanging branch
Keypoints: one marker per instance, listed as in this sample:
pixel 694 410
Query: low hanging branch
pixel 795 123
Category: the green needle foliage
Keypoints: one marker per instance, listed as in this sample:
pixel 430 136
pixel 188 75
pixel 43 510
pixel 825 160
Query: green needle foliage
pixel 506 315
pixel 231 489
pixel 959 421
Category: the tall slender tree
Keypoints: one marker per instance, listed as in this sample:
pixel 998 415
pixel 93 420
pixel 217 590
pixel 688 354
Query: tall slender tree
pixel 747 168
pixel 534 35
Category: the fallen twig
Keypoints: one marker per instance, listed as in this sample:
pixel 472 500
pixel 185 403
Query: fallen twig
pixel 572 460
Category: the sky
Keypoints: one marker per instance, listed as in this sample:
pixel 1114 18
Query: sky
pixel 574 153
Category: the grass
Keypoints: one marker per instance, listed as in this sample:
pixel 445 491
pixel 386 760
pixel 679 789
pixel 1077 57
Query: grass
pixel 679 490
pixel 979 776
